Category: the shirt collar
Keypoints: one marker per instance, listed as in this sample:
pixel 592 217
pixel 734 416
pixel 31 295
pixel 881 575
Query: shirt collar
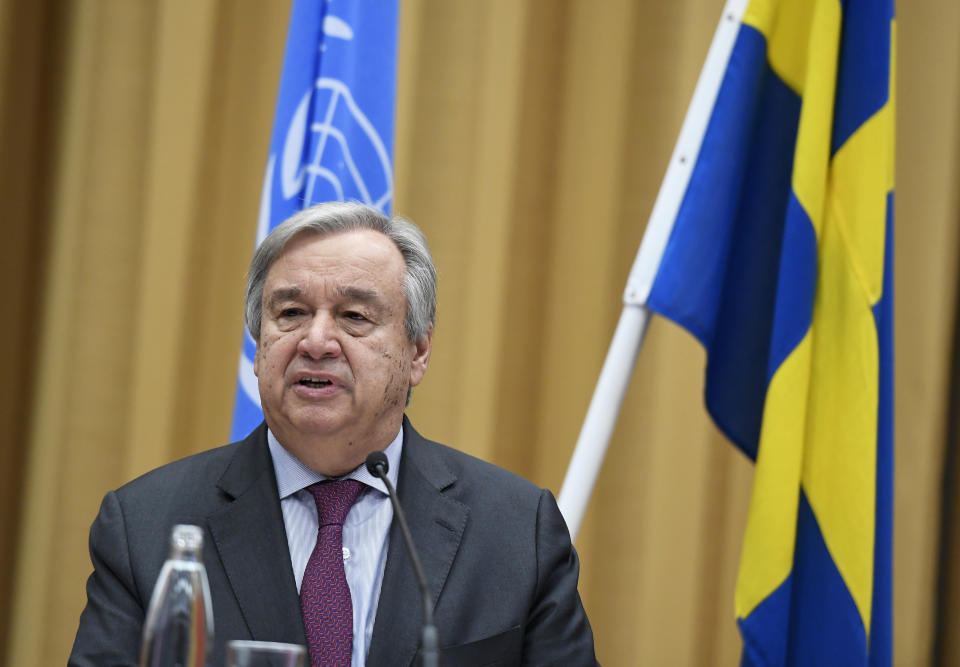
pixel 293 475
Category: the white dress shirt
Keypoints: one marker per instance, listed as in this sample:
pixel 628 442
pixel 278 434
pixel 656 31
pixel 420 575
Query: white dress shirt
pixel 365 531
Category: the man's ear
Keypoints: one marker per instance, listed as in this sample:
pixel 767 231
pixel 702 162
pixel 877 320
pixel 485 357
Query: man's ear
pixel 421 357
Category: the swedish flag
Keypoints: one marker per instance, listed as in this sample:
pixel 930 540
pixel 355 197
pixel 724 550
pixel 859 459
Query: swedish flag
pixel 780 262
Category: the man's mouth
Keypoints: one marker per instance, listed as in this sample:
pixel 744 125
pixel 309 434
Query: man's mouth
pixel 315 383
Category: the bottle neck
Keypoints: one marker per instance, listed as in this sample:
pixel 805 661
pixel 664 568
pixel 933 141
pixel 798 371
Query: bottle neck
pixel 185 553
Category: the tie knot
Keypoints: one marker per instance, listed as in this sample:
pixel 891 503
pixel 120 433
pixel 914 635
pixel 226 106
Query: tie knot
pixel 334 499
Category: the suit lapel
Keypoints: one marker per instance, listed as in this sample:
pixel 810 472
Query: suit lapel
pixel 249 537
pixel 436 522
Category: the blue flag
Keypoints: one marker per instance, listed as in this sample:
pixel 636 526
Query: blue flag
pixel 780 262
pixel 332 131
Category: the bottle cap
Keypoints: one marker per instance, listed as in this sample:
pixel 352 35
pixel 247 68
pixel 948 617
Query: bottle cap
pixel 186 538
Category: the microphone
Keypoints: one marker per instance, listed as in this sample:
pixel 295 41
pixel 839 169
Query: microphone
pixel 377 465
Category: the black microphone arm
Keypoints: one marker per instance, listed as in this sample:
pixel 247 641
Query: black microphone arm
pixel 377 465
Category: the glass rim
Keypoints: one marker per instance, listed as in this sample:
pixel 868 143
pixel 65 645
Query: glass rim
pixel 254 643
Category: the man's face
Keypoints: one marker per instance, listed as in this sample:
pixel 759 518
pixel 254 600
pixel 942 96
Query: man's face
pixel 333 359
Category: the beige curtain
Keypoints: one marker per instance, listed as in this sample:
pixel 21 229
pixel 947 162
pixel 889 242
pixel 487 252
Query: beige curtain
pixel 531 139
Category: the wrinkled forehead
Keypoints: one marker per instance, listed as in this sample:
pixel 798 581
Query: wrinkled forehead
pixel 362 239
pixel 357 260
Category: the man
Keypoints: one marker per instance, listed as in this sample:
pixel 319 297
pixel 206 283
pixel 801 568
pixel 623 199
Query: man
pixel 341 301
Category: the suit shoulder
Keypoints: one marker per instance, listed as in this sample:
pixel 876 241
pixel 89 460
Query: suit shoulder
pixel 195 469
pixel 473 474
pixel 190 489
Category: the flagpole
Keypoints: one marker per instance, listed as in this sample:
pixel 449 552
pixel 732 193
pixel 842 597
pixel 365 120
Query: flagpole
pixel 591 447
pixel 602 414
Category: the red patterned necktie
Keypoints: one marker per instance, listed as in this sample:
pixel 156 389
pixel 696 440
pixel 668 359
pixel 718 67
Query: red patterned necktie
pixel 324 594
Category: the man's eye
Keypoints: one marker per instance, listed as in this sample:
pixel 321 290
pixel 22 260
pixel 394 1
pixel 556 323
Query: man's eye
pixel 355 316
pixel 291 312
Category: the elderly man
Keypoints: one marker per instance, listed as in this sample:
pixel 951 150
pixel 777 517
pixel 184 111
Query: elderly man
pixel 341 301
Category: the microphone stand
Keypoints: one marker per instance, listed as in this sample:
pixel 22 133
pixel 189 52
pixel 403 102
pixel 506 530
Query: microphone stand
pixel 377 465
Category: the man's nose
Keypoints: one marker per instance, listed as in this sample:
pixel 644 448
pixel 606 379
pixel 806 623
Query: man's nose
pixel 321 338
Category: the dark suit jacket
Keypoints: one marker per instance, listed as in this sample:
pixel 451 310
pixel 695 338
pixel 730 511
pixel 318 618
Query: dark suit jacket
pixel 495 549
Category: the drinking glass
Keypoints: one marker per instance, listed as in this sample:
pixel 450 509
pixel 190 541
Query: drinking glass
pixel 243 653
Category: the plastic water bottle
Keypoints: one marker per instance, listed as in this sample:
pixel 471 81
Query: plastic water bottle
pixel 179 627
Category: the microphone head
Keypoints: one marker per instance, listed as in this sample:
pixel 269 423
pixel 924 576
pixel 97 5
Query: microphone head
pixel 377 464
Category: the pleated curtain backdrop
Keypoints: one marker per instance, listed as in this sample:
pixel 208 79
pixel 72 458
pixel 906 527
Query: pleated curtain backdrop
pixel 531 139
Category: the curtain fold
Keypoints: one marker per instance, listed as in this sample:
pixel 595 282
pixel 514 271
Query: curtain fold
pixel 28 90
pixel 531 140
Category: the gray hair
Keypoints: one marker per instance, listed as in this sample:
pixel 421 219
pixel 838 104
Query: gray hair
pixel 419 282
